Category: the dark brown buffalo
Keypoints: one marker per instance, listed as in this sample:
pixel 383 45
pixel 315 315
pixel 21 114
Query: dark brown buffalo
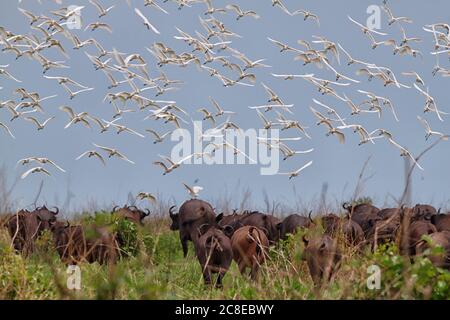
pixel 231 219
pixel 192 214
pixel 250 246
pixel 214 253
pixel 70 242
pixel 330 223
pixel 25 227
pixel 387 213
pixel 22 228
pixel 383 231
pixel 131 213
pixel 292 223
pixel 322 256
pixel 264 222
pixel 77 243
pixel 102 245
pixel 363 214
pixel 418 212
pixel 438 239
pixel 362 208
pixel 412 235
pixel 351 230
pixel 441 221
pixel 423 212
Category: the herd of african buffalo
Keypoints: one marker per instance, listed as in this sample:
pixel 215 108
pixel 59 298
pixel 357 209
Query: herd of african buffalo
pixel 245 237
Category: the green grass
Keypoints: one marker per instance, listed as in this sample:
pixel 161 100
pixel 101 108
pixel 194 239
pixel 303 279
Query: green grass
pixel 154 268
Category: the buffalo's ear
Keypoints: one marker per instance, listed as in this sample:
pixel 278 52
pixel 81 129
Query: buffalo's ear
pixel 433 219
pixel 219 217
pixel 305 240
pixel 228 230
pixel 322 246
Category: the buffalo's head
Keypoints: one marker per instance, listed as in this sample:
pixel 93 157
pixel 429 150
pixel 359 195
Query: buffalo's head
pixel 59 227
pixel 175 217
pixel 46 216
pixel 423 212
pixel 131 213
pixel 138 212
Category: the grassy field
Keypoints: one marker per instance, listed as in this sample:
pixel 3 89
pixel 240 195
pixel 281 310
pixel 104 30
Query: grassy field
pixel 153 267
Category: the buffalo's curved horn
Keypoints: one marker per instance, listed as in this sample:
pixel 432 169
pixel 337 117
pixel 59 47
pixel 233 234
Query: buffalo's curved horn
pixel 309 216
pixel 171 212
pixel 346 205
pixel 67 224
pixel 201 229
pixel 439 211
pixel 147 212
pixel 57 211
pixel 115 208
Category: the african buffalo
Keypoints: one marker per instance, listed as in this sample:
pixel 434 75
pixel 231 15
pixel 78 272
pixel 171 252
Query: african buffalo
pixel 102 245
pixel 214 253
pixel 413 234
pixel 438 239
pixel 351 230
pixel 131 213
pixel 387 213
pixel 25 227
pixel 364 214
pixel 383 231
pixel 77 243
pixel 441 221
pixel 358 209
pixel 423 212
pixel 250 246
pixel 231 219
pixel 291 223
pixel 70 242
pixel 192 214
pixel 264 222
pixel 22 228
pixel 322 256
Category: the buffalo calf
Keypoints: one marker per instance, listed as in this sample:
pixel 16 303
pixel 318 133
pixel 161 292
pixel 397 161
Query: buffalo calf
pixel 214 253
pixel 249 249
pixel 322 256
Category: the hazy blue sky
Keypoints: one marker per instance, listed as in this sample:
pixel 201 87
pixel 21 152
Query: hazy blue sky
pixel 336 164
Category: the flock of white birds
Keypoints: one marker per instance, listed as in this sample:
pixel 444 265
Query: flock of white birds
pixel 212 52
